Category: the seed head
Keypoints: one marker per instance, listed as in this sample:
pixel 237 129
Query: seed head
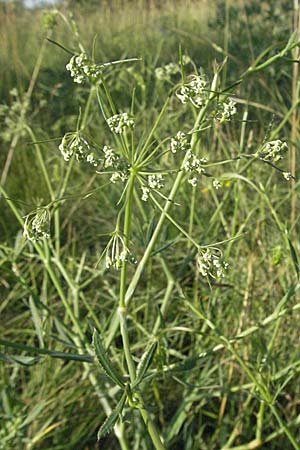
pixel 209 262
pixel 273 150
pixel 37 225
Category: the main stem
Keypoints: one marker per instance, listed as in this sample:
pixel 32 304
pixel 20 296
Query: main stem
pixel 122 314
pixel 177 183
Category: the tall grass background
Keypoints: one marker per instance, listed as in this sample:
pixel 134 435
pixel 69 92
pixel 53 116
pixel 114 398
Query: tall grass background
pixel 48 399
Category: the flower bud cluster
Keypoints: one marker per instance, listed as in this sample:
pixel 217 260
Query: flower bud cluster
pixel 226 110
pixel 273 150
pixel 75 144
pixel 210 263
pixel 14 115
pixel 195 91
pixel 37 225
pixel 180 143
pixel 82 68
pixel 119 122
pixel 165 72
pixel 194 166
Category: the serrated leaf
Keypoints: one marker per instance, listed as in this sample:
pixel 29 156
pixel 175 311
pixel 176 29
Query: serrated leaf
pixel 145 362
pixel 295 259
pixel 111 420
pixel 104 361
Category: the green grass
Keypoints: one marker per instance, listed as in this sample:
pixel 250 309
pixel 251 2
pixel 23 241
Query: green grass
pixel 224 372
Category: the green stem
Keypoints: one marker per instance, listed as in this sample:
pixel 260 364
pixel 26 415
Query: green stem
pixel 122 313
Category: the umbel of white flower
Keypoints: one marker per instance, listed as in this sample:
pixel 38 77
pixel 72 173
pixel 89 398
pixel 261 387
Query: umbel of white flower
pixel 273 150
pixel 119 122
pixel 180 143
pixel 37 225
pixel 154 181
pixel 226 110
pixel 75 144
pixel 209 262
pixel 194 166
pixel 195 92
pixel 82 68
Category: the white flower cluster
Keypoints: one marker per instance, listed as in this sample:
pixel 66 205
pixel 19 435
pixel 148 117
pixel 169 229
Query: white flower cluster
pixel 119 122
pixel 210 263
pixel 226 111
pixel 155 181
pixel 110 157
pixel 195 91
pixel 37 225
pixel 112 160
pixel 81 68
pixel 119 175
pixel 273 150
pixel 180 143
pixel 116 252
pixel 194 165
pixel 75 144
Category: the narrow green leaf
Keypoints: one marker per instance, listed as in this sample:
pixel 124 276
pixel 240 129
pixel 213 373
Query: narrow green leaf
pixel 61 46
pixel 37 320
pixel 295 259
pixel 145 362
pixel 46 352
pixel 104 360
pixel 151 229
pixel 20 359
pixel 112 419
pixel 164 247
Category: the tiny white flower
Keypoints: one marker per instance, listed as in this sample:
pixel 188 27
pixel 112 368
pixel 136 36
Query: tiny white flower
pixel 146 192
pixel 216 184
pixel 287 175
pixel 193 181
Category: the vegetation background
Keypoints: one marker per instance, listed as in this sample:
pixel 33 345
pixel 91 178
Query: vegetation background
pixel 47 400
